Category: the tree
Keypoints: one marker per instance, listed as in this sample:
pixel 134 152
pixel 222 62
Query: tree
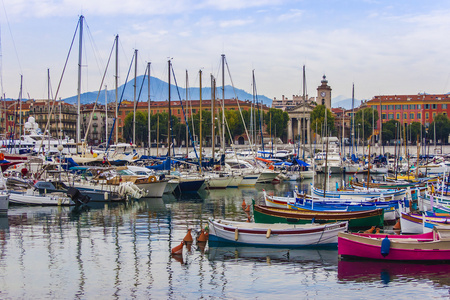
pixel 414 128
pixel 390 129
pixel 141 127
pixel 442 125
pixel 366 128
pixel 318 119
pixel 276 120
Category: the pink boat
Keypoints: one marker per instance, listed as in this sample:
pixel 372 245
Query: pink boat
pixel 432 246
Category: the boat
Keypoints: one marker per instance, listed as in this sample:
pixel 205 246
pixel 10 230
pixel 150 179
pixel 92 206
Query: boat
pixel 33 197
pixel 422 223
pixel 361 193
pixel 358 219
pixel 431 246
pixel 274 235
pixel 4 202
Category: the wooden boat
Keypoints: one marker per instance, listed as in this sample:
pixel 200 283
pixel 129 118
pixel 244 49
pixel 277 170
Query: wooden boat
pixel 358 219
pixel 274 235
pixel 418 223
pixel 362 193
pixel 432 246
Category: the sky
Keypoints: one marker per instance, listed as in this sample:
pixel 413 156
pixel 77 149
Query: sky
pixel 382 47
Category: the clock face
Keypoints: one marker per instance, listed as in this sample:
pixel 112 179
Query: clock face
pixel 322 94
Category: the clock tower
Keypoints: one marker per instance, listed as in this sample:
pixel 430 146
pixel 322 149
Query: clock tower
pixel 324 93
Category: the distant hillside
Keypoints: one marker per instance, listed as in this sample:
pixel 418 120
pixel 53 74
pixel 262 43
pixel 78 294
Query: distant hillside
pixel 342 101
pixel 159 92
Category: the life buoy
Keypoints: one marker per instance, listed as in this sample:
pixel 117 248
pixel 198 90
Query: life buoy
pixel 151 178
pixel 2 156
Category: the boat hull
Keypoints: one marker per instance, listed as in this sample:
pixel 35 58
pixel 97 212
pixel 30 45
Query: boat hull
pixel 350 245
pixel 274 235
pixel 264 214
pixel 31 199
pixel 4 203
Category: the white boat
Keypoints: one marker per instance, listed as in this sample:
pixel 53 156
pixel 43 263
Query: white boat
pixel 274 235
pixel 216 181
pixel 307 174
pixel 235 180
pixel 4 202
pixel 32 197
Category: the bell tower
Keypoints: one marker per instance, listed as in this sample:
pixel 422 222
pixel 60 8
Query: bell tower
pixel 324 93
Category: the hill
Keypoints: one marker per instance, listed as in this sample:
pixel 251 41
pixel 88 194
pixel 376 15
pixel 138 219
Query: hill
pixel 159 92
pixel 342 101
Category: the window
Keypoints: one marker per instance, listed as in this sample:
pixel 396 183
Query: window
pixel 434 106
pixel 419 116
pixel 398 116
pixel 411 116
pixel 419 106
pixel 391 107
pixel 427 106
pixel 383 116
pixel 374 107
pixel 444 106
pixel 426 115
pixel 412 106
pixel 405 116
pixel 405 106
pixel 398 107
pixel 434 115
pixel 391 116
pixel 383 107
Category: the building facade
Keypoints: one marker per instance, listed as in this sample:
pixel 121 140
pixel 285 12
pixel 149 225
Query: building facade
pixel 406 109
pixel 97 122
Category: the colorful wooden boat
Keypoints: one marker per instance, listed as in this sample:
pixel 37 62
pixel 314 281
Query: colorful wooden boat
pixel 418 223
pixel 432 246
pixel 388 194
pixel 274 235
pixel 358 219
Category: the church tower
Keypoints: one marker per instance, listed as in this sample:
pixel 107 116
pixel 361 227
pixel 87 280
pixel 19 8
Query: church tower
pixel 324 93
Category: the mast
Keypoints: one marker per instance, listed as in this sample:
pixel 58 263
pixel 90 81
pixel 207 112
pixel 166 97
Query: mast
pixel 149 112
pixel 134 98
pixel 20 106
pixel 304 104
pixel 80 57
pixel 116 79
pixel 106 112
pixel 213 97
pixel 353 117
pixel 187 133
pixel 200 162
pixel 223 103
pixel 169 128
pixel 381 126
pixel 326 155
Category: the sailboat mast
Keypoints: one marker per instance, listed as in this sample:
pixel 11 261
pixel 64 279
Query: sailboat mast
pixel 353 117
pixel 169 127
pixel 149 112
pixel 187 109
pixel 106 112
pixel 303 117
pixel 134 97
pixel 116 79
pixel 80 57
pixel 223 103
pixel 201 153
pixel 213 121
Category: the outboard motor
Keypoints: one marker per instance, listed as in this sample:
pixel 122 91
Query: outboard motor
pixel 77 197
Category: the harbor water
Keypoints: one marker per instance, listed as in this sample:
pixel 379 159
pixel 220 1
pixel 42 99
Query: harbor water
pixel 124 252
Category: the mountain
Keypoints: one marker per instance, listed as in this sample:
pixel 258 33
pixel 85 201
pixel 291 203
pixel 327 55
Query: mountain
pixel 159 92
pixel 342 101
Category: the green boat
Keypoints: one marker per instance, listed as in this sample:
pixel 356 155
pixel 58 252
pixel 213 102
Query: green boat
pixel 356 219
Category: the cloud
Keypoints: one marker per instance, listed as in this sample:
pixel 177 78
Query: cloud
pixel 235 23
pixel 291 15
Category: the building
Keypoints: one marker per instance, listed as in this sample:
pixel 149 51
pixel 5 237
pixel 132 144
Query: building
pixel 406 109
pixel 63 121
pixel 287 104
pixel 101 122
pixel 299 124
pixel 12 114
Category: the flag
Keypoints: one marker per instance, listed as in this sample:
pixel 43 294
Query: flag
pixel 92 152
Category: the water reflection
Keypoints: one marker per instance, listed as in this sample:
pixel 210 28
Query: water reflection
pixel 273 254
pixel 387 272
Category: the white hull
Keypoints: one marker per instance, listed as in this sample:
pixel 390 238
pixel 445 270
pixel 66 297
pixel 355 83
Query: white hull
pixel 218 182
pixel 249 180
pixel 31 198
pixel 153 189
pixel 267 176
pixel 171 186
pixel 307 174
pixel 235 181
pixel 410 225
pixel 279 235
pixel 4 202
